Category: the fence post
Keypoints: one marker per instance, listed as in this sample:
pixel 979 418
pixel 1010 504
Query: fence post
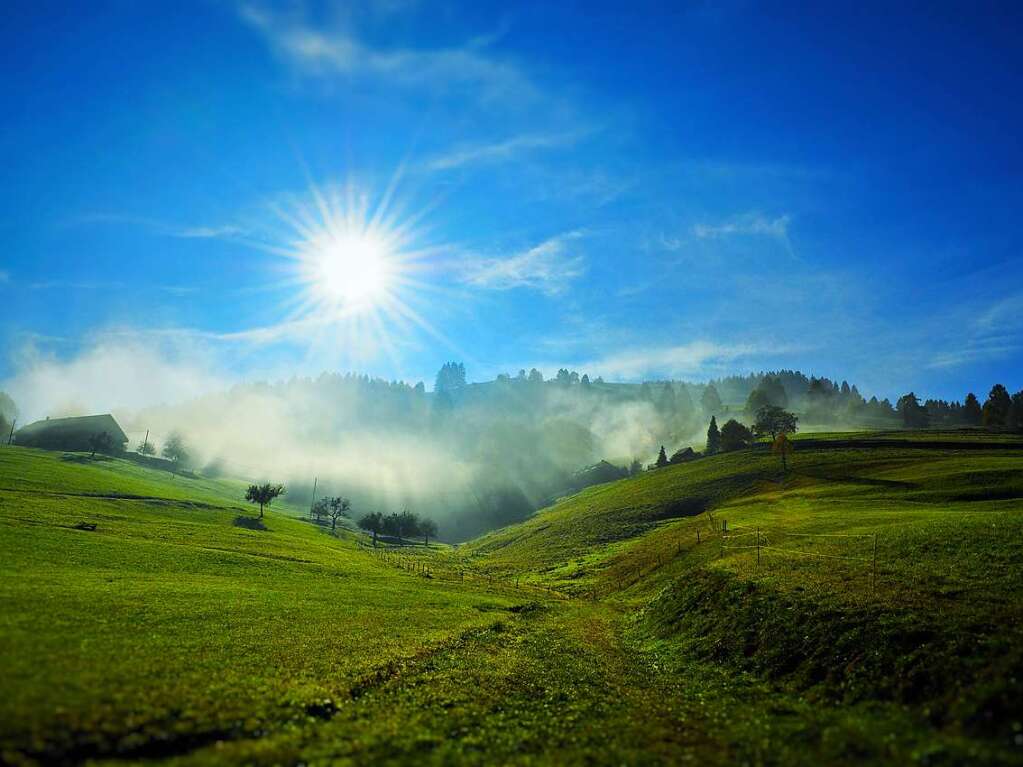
pixel 758 547
pixel 724 532
pixel 697 535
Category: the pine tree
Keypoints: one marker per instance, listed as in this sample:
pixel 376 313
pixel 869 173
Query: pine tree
pixel 662 458
pixel 971 410
pixel 713 437
pixel 996 409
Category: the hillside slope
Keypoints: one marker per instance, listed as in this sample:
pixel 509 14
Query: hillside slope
pixel 873 571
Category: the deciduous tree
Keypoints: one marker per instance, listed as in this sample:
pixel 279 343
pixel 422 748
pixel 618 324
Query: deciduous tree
pixel 428 529
pixel 372 523
pixel 773 420
pixel 735 436
pixel 263 494
pixel 336 509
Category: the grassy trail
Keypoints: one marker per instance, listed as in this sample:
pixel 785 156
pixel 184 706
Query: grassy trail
pixel 546 683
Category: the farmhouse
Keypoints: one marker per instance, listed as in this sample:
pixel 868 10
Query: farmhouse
pixel 71 433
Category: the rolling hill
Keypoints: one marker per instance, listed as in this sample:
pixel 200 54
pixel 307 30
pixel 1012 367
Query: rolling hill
pixel 862 607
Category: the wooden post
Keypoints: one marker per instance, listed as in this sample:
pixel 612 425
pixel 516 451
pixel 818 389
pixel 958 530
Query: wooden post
pixel 724 532
pixel 758 547
pixel 10 437
pixel 697 535
pixel 873 567
pixel 312 501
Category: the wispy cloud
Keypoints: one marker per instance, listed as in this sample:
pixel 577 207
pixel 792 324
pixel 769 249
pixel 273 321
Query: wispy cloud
pixel 698 358
pixel 162 228
pixel 993 332
pixel 207 232
pixel 548 267
pixel 748 224
pixel 500 150
pixel 338 51
pixel 75 285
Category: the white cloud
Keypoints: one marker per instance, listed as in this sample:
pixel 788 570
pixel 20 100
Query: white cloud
pixel 115 370
pixel 206 232
pixel 748 224
pixel 338 51
pixel 692 359
pixel 993 332
pixel 547 267
pixel 500 150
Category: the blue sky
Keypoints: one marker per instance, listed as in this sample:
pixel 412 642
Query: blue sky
pixel 636 190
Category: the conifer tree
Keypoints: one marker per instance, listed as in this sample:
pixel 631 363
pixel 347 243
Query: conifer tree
pixel 971 410
pixel 713 437
pixel 662 458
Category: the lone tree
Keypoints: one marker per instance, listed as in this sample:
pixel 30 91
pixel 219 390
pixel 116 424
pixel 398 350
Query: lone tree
pixel 662 458
pixel 337 508
pixel 427 528
pixel 100 443
pixel 774 420
pixel 713 437
pixel 735 436
pixel 782 446
pixel 145 448
pixel 372 523
pixel 263 494
pixel 174 449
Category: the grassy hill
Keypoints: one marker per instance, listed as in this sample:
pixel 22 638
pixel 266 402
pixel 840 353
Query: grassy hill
pixel 178 629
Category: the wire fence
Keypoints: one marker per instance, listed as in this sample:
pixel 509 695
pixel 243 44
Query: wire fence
pixel 774 540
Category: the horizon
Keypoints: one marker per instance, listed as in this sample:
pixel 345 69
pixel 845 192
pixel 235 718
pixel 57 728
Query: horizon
pixel 530 188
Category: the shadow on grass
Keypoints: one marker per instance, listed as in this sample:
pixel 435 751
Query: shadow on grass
pixel 249 523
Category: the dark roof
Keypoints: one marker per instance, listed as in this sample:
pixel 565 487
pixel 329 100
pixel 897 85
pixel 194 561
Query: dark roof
pixel 86 424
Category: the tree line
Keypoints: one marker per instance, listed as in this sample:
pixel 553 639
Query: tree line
pixel 405 525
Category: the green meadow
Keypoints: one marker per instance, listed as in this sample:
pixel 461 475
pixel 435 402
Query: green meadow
pixel 862 607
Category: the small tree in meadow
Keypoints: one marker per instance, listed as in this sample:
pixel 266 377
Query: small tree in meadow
pixel 773 420
pixel 372 523
pixel 336 509
pixel 782 446
pixel 145 447
pixel 428 529
pixel 263 494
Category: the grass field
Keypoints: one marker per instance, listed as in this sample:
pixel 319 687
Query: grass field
pixel 178 630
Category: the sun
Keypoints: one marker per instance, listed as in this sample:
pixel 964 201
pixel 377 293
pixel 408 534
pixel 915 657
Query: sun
pixel 351 269
pixel 355 276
